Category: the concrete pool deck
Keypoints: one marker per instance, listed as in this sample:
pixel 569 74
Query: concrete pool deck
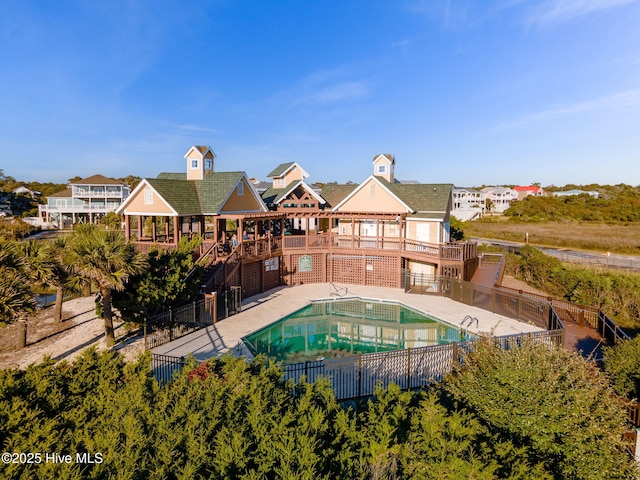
pixel 269 307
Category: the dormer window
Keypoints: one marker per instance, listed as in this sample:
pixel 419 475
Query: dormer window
pixel 209 164
pixel 382 169
pixel 194 164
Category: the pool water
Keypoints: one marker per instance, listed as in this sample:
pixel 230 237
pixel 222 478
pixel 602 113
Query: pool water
pixel 348 327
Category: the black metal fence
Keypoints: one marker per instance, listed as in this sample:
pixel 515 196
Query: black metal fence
pixel 358 376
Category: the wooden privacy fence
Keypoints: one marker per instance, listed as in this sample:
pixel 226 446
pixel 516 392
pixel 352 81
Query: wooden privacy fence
pixel 358 376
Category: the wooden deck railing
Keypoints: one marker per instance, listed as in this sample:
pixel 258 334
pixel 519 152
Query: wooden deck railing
pixel 581 315
pixel 440 251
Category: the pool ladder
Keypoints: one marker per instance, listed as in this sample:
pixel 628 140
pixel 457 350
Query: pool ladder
pixel 467 321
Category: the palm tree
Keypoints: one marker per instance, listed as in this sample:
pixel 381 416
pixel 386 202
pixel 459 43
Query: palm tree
pixel 60 274
pixel 106 258
pixel 16 298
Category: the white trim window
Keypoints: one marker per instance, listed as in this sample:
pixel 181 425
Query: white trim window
pixel 241 188
pixel 148 196
pixel 382 169
pixel 194 164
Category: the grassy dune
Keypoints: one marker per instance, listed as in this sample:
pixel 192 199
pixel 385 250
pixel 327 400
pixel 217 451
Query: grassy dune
pixel 616 238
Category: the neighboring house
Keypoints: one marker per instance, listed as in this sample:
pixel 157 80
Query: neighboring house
pixel 26 191
pixel 501 197
pixel 468 203
pixel 533 190
pixel 85 200
pixel 570 193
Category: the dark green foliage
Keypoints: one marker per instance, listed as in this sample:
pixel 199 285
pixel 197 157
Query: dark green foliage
pixel 614 292
pixel 166 283
pixel 231 419
pixel 620 203
pixel 550 401
pixel 622 364
pixel 456 229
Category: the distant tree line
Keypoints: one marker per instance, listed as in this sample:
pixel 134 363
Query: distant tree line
pixel 620 203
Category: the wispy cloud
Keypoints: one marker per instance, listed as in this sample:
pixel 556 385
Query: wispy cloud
pixel 195 128
pixel 335 93
pixel 324 88
pixel 554 11
pixel 615 101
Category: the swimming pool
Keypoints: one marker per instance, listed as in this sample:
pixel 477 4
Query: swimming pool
pixel 337 328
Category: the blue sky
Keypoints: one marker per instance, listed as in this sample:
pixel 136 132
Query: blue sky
pixel 463 92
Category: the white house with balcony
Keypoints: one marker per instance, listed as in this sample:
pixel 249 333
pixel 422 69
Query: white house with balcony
pixel 501 197
pixel 468 203
pixel 83 201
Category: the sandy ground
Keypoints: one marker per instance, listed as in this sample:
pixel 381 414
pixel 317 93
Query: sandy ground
pixel 80 329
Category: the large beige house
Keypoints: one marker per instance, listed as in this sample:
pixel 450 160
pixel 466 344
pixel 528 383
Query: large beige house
pixel 370 233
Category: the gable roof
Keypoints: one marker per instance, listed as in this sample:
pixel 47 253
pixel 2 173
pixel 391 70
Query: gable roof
pixel 283 168
pixel 203 149
pixel 336 193
pixel 388 156
pixel 430 200
pixel 196 197
pixel 97 180
pixel 424 200
pixel 66 193
pixel 276 195
pixel 531 188
pixel 181 195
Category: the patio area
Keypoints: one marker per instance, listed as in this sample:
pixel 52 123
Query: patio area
pixel 261 310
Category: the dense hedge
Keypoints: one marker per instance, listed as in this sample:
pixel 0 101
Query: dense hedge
pixel 230 419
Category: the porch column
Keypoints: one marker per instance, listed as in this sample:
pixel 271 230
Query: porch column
pixel 140 222
pixel 153 228
pixel 127 227
pixel 306 233
pixel 353 232
pixel 177 230
pixel 166 230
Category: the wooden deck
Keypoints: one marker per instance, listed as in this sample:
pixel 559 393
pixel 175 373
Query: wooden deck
pixel 581 339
